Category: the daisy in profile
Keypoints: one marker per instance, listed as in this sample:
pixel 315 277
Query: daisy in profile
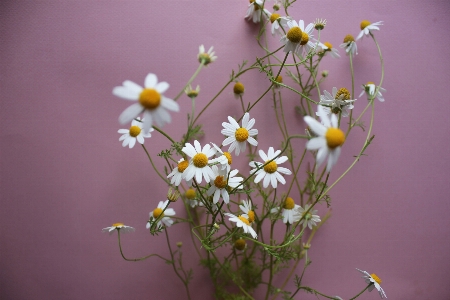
pixel 178 173
pixel 191 195
pixel 374 282
pixel 206 57
pixel 190 92
pixel 310 218
pixel 238 136
pixel 278 22
pixel 129 136
pixel 118 226
pixel 289 211
pixel 349 45
pixel 164 217
pixel 222 180
pixel 198 165
pixel 271 171
pixel 328 48
pixel 329 138
pixel 246 208
pixel 150 100
pixel 223 158
pixel 242 221
pixel 369 89
pixel 298 38
pixel 337 101
pixel 255 10
pixel 367 27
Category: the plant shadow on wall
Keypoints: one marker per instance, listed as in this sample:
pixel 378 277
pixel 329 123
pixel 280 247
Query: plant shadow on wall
pixel 232 215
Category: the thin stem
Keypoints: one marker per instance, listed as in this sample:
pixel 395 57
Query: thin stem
pixel 141 258
pixel 190 80
pixel 153 165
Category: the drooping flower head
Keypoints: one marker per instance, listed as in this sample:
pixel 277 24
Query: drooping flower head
pixel 349 45
pixel 310 218
pixel 246 208
pixel 256 10
pixel 367 27
pixel 135 133
pixel 242 221
pixel 271 170
pixel 163 215
pixel 337 101
pixel 369 88
pixel 328 48
pixel 289 211
pixel 375 282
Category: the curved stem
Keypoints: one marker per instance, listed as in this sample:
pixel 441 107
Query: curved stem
pixel 153 165
pixel 141 258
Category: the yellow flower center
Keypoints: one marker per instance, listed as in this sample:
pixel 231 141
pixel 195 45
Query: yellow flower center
pixel 240 244
pixel 117 224
pixel 244 220
pixel 343 94
pixel 271 167
pixel 157 212
pixel 150 98
pixel 251 216
pixel 279 79
pixel 349 38
pixel 192 93
pixel 305 38
pixel 219 182
pixel 376 278
pixel 241 134
pixel 294 34
pixel 228 156
pixel 134 131
pixel 329 45
pixel 238 88
pixel 274 17
pixel 370 82
pixel 182 166
pixel 204 58
pixel 200 160
pixel 335 137
pixel 190 194
pixel 364 24
pixel 289 203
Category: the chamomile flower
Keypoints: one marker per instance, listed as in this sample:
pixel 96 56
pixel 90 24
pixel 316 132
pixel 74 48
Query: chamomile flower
pixel 222 180
pixel 165 219
pixel 246 208
pixel 367 27
pixel 278 22
pixel 135 133
pixel 369 89
pixel 206 57
pixel 271 171
pixel 198 165
pixel 289 211
pixel 191 195
pixel 190 92
pixel 118 226
pixel 310 218
pixel 242 221
pixel 337 101
pixel 298 38
pixel 150 100
pixel 328 48
pixel 255 10
pixel 329 138
pixel 375 282
pixel 238 136
pixel 349 45
pixel 178 173
pixel 223 158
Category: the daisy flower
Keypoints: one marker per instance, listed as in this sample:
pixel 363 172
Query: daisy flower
pixel 118 226
pixel 246 208
pixel 178 173
pixel 349 45
pixel 328 48
pixel 271 171
pixel 190 92
pixel 255 10
pixel 309 219
pixel 198 165
pixel 222 180
pixel 367 27
pixel 242 221
pixel 165 219
pixel 374 282
pixel 237 136
pixel 369 89
pixel 129 136
pixel 278 22
pixel 191 195
pixel 297 39
pixel 289 211
pixel 206 57
pixel 329 138
pixel 338 101
pixel 224 158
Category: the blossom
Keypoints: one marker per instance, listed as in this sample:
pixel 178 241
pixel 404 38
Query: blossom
pixel 277 23
pixel 150 99
pixel 369 89
pixel 129 136
pixel 237 136
pixel 271 171
pixel 191 195
pixel 298 38
pixel 242 221
pixel 118 226
pixel 190 92
pixel 328 48
pixel 246 208
pixel 198 165
pixel 309 218
pixel 222 180
pixel 206 57
pixel 338 101
pixel 349 45
pixel 166 214
pixel 255 10
pixel 178 173
pixel 289 211
pixel 367 27
pixel 374 282
pixel 224 159
pixel 329 138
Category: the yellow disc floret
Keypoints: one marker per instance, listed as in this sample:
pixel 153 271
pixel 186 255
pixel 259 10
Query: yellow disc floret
pixel 182 166
pixel 271 167
pixel 157 212
pixel 335 137
pixel 134 131
pixel 305 38
pixel 289 203
pixel 343 94
pixel 190 194
pixel 219 182
pixel 251 216
pixel 244 220
pixel 364 24
pixel 238 88
pixel 200 160
pixel 294 34
pixel 376 278
pixel 370 82
pixel 118 224
pixel 228 156
pixel 150 98
pixel 349 38
pixel 279 79
pixel 274 17
pixel 241 134
pixel 329 46
pixel 240 244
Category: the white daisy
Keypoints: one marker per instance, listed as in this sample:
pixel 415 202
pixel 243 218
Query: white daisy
pixel 118 226
pixel 289 211
pixel 223 158
pixel 367 27
pixel 328 48
pixel 178 173
pixel 129 136
pixel 198 165
pixel 150 99
pixel 237 136
pixel 206 57
pixel 242 221
pixel 298 38
pixel 190 92
pixel 310 219
pixel 329 138
pixel 369 89
pixel 156 213
pixel 246 208
pixel 375 282
pixel 222 180
pixel 349 45
pixel 338 101
pixel 278 22
pixel 191 195
pixel 255 10
pixel 271 171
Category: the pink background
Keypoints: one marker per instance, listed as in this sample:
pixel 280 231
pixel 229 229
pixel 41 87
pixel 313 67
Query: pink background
pixel 65 176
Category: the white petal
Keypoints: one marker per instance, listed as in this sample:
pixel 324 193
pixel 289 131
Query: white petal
pixel 162 87
pixel 136 88
pixel 316 143
pixel 245 120
pixel 315 126
pixel 130 113
pixel 170 104
pixel 125 93
pixel 150 81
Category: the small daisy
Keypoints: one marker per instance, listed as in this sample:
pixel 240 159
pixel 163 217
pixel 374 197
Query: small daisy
pixel 118 226
pixel 278 22
pixel 178 173
pixel 319 24
pixel 237 136
pixel 329 138
pixel 367 27
pixel 242 221
pixel 349 45
pixel 191 195
pixel 129 136
pixel 190 92
pixel 156 213
pixel 255 10
pixel 369 89
pixel 375 282
pixel 289 211
pixel 222 180
pixel 271 171
pixel 223 158
pixel 310 219
pixel 298 38
pixel 338 101
pixel 246 208
pixel 198 165
pixel 328 48
pixel 206 57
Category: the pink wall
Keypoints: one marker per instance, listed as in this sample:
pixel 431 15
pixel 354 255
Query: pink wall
pixel 65 176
